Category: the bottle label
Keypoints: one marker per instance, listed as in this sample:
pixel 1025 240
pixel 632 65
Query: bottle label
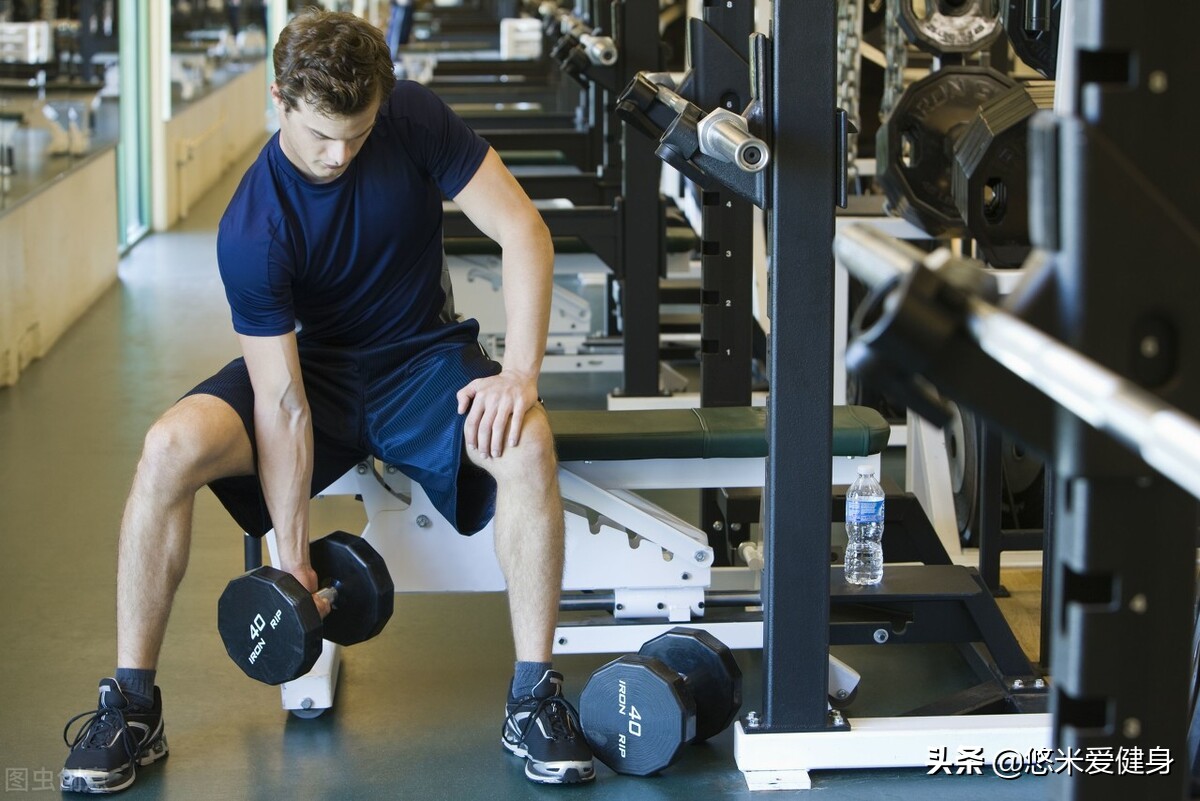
pixel 864 511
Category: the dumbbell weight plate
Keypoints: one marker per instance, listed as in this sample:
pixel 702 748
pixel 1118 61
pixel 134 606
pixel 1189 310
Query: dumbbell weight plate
pixel 713 676
pixel 366 595
pixel 637 715
pixel 950 26
pixel 269 625
pixel 916 143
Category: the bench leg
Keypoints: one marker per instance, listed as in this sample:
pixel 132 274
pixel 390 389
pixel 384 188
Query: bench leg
pixel 312 693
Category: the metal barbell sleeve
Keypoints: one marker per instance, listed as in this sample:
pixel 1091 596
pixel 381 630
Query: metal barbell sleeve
pixel 726 136
pixel 722 134
pixel 601 50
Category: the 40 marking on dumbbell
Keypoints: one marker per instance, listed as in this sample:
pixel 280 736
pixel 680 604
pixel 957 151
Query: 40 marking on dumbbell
pixel 257 627
pixel 634 727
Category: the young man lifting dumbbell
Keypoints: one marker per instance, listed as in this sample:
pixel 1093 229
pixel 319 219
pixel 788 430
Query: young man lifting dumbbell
pixel 331 256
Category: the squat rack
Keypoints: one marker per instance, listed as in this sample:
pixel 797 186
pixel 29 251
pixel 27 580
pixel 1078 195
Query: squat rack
pixel 1110 196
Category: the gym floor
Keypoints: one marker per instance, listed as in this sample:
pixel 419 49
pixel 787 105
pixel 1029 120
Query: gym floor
pixel 418 710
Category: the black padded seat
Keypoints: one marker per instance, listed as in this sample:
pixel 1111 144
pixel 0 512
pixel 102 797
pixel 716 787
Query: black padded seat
pixel 725 432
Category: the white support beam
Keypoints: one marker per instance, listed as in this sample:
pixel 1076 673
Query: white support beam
pixel 782 761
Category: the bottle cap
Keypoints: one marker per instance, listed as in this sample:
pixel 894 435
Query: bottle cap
pixel 866 470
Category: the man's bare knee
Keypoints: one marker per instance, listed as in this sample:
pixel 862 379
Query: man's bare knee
pixel 537 440
pixel 196 441
pixel 532 459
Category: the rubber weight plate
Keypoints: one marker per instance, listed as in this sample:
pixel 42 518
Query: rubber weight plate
pixel 915 145
pixel 950 26
pixel 366 594
pixel 712 675
pixel 637 715
pixel 269 625
pixel 991 178
pixel 1036 47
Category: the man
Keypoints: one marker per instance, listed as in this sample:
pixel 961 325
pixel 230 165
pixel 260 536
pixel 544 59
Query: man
pixel 331 255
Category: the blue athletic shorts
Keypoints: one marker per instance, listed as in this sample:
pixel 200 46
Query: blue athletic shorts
pixel 395 402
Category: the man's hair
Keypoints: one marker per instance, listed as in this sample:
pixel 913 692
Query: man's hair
pixel 336 62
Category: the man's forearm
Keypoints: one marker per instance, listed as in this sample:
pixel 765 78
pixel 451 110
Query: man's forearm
pixel 528 269
pixel 495 202
pixel 285 446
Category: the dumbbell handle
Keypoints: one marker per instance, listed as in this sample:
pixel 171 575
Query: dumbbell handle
pixel 330 594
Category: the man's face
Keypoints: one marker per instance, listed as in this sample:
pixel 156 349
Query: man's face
pixel 321 147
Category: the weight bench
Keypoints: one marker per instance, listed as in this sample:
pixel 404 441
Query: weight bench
pixel 656 566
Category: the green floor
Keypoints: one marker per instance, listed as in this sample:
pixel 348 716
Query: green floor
pixel 418 709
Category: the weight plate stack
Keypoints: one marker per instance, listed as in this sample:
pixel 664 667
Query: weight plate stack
pixel 915 145
pixel 991 178
pixel 950 26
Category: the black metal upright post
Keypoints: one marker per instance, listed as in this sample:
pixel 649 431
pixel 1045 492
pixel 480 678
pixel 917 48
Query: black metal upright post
pixel 800 407
pixel 1123 214
pixel 602 103
pixel 720 52
pixel 989 499
pixel 727 260
pixel 643 237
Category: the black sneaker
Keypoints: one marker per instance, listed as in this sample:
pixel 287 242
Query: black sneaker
pixel 116 737
pixel 543 729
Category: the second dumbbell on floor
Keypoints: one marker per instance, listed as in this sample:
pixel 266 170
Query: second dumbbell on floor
pixel 639 711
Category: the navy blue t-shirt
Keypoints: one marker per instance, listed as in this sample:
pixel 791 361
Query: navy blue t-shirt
pixel 357 262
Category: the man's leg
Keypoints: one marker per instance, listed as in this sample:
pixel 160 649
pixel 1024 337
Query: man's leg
pixel 197 441
pixel 529 535
pixel 540 726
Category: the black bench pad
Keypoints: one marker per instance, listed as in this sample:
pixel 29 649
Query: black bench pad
pixel 727 432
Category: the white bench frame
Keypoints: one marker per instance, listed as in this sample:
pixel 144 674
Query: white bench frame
pixel 658 574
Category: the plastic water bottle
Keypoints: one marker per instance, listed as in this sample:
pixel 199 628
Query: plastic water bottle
pixel 864 528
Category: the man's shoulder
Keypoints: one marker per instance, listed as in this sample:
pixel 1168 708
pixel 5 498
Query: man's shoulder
pixel 410 100
pixel 255 209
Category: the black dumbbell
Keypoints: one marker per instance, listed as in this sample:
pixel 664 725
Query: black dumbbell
pixel 639 711
pixel 270 623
